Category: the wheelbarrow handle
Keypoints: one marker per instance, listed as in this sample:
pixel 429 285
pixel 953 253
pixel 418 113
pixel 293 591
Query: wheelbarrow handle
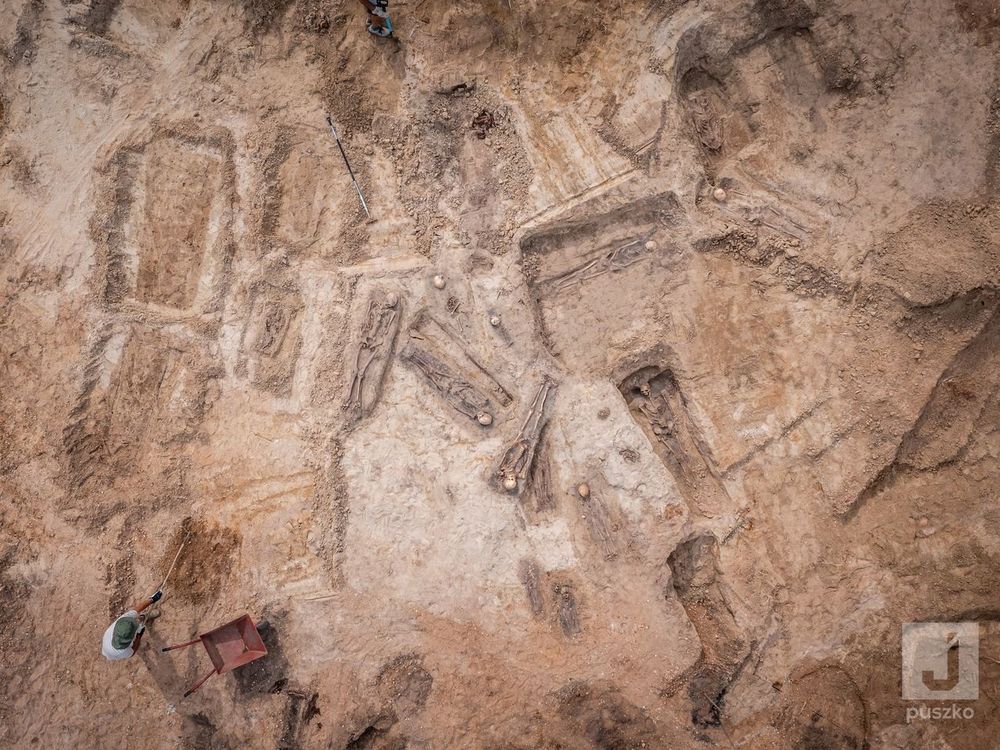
pixel 199 683
pixel 180 645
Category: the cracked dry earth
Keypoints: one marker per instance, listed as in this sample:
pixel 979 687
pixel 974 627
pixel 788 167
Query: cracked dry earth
pixel 705 409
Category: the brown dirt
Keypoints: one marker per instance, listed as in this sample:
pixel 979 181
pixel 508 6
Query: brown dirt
pixel 204 563
pixel 749 254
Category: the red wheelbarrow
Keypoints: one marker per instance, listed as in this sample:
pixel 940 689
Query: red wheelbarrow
pixel 232 645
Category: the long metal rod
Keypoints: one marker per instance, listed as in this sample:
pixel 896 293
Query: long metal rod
pixel 333 129
pixel 183 542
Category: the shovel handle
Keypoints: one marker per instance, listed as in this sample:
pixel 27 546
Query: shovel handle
pixel 171 570
pixel 180 645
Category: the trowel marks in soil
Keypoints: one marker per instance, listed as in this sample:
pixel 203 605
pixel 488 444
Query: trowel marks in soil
pixel 205 562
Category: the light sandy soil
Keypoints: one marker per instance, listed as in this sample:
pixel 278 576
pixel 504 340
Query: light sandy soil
pixel 733 266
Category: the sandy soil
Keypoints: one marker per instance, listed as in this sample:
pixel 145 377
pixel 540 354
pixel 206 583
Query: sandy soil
pixel 706 407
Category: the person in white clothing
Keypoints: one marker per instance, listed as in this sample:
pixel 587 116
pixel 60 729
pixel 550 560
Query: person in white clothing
pixel 123 636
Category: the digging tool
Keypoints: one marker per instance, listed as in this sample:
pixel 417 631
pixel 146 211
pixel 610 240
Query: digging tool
pixel 333 129
pixel 171 570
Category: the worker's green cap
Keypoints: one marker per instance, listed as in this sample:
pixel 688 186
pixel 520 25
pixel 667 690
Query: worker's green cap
pixel 124 632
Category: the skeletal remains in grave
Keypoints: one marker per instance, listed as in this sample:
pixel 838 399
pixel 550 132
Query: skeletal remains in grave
pixel 566 608
pixel 661 410
pixel 707 126
pixel 446 345
pixel 514 470
pixel 609 261
pixel 538 497
pixel 498 327
pixel 654 394
pixel 271 338
pixel 374 352
pixel 755 201
pixel 530 577
pixel 272 334
pixel 601 521
pixel 462 395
